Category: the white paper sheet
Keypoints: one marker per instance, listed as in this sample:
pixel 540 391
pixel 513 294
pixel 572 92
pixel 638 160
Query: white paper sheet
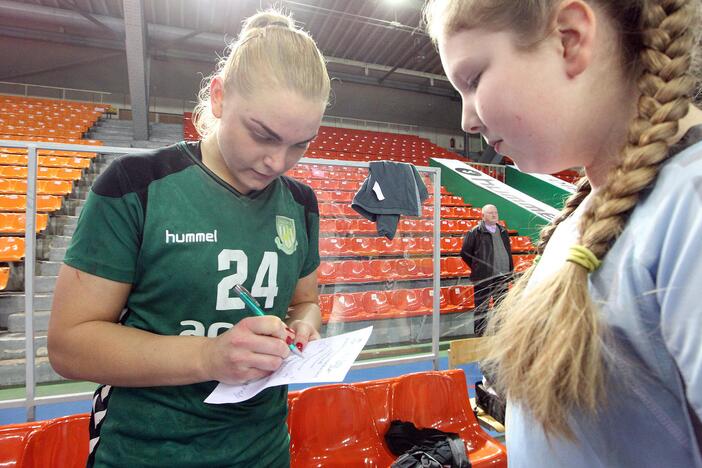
pixel 325 360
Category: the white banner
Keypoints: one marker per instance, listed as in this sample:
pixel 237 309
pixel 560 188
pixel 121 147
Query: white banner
pixel 503 190
pixel 560 183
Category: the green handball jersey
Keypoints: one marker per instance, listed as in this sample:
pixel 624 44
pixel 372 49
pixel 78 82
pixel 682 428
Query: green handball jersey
pixel 182 237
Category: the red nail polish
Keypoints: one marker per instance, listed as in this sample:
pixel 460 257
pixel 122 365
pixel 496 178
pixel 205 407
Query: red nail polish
pixel 299 346
pixel 288 340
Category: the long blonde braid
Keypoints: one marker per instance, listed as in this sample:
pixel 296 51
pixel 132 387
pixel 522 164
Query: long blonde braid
pixel 546 345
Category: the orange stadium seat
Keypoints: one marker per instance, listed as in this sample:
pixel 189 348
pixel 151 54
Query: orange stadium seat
pixel 440 400
pixel 407 269
pixel 364 246
pixel 406 301
pixel 346 305
pixel 11 249
pixel 382 270
pixel 333 247
pixel 522 262
pixel 13 439
pixel 327 273
pixel 355 271
pixel 427 295
pixel 461 297
pixel 345 436
pixel 376 303
pixel 60 442
pixel 521 244
pixel 451 245
pixel 454 266
pixel 4 278
pixel 326 304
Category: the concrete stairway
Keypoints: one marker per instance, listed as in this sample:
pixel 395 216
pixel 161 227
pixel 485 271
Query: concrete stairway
pixel 51 248
pixel 121 133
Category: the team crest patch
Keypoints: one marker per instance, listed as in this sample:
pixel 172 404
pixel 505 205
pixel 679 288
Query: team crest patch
pixel 286 239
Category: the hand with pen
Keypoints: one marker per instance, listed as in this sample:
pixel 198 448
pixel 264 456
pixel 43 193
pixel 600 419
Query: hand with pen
pixel 256 346
pixel 252 349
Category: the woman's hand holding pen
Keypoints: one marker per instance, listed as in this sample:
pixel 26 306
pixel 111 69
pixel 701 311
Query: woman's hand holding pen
pixel 252 349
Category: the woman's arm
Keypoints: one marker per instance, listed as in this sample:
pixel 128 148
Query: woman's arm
pixel 304 316
pixel 86 342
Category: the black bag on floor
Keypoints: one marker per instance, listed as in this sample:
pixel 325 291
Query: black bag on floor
pixel 429 448
pixel 492 404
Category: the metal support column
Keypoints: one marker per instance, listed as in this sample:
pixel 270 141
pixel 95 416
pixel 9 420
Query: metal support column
pixel 436 282
pixel 135 43
pixel 30 236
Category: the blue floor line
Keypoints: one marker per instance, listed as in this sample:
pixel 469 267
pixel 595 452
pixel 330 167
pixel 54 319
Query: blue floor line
pixel 17 415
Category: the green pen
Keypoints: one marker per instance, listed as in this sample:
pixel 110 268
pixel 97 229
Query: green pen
pixel 255 307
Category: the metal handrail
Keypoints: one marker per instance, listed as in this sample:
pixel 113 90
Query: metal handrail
pixel 30 402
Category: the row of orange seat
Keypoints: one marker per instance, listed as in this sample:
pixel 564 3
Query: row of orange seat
pixel 378 246
pixel 344 210
pixel 370 271
pixel 55 153
pixel 405 226
pixel 18 203
pixel 39 131
pixel 47 173
pixel 398 303
pixel 335 184
pixel 34 113
pixel 14 159
pixel 70 141
pixel 56 107
pixel 332 155
pixel 492 171
pixel 37 121
pixel 351 433
pixel 381 270
pixel 14 223
pixel 357 416
pixel 347 197
pixel 44 187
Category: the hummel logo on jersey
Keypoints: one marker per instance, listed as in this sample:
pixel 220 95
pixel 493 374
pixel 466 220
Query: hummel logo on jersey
pixel 190 237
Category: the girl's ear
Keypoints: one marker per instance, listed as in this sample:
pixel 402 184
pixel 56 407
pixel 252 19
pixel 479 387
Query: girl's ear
pixel 216 96
pixel 575 25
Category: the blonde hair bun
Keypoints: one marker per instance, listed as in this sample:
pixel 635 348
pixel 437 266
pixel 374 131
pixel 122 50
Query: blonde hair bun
pixel 268 18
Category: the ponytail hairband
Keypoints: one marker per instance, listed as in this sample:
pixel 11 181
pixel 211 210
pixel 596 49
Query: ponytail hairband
pixel 581 255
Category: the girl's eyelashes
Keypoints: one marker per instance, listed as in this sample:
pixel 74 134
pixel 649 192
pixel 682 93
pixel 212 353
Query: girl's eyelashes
pixel 262 138
pixel 268 139
pixel 472 84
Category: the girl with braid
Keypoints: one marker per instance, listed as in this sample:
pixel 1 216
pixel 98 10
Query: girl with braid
pixel 598 347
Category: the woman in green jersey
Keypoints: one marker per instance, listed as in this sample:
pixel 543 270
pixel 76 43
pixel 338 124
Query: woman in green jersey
pixel 144 303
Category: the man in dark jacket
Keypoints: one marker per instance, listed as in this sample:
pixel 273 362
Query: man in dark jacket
pixel 487 251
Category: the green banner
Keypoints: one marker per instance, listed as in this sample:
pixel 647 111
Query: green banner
pixel 546 188
pixel 521 212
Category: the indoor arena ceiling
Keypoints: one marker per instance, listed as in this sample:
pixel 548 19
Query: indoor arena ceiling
pixel 374 40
